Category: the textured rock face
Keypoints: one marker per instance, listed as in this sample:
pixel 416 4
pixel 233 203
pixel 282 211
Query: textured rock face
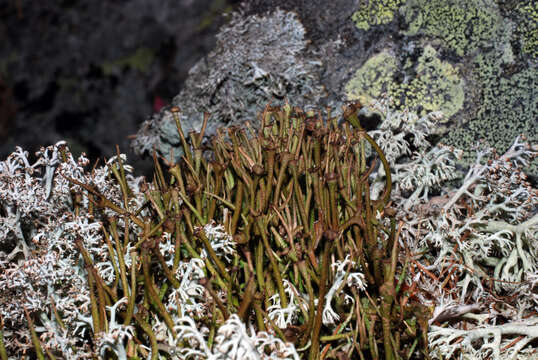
pixel 481 73
pixel 473 60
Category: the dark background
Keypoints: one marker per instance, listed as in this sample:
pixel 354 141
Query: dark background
pixel 89 72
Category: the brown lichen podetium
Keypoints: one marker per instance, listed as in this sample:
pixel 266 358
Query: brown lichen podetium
pixel 295 197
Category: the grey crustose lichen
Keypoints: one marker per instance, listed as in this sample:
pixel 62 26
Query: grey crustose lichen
pixel 256 60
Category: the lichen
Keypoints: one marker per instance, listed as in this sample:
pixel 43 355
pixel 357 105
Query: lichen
pixel 508 108
pixel 528 28
pixel 256 60
pixel 499 82
pixel 375 12
pixel 428 84
pixel 372 79
pixel 463 26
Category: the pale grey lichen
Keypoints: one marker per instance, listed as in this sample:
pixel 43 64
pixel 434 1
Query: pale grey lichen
pixel 39 262
pixel 482 236
pixel 477 237
pixel 419 168
pixel 471 249
pixel 257 60
pixel 233 340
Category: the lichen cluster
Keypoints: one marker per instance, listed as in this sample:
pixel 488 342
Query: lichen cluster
pixel 307 238
pixel 480 71
pixel 256 59
pixel 462 26
pixel 509 108
pixel 371 13
pixel 528 27
pixel 427 85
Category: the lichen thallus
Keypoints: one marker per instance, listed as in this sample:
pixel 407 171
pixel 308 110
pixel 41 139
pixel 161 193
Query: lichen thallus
pixel 294 197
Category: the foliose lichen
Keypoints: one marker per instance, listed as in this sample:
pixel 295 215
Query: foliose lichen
pixel 427 85
pixel 256 60
pixel 373 78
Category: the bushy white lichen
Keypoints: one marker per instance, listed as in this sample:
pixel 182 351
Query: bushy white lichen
pixel 471 238
pixel 468 239
pixel 40 263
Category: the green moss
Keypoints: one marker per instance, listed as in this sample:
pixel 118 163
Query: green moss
pixel 528 28
pixel 375 12
pixel 509 108
pixel 429 84
pixel 462 25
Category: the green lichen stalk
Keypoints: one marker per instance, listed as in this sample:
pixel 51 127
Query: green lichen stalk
pixel 294 197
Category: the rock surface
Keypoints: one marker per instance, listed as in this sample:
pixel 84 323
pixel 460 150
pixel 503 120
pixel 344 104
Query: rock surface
pixel 476 61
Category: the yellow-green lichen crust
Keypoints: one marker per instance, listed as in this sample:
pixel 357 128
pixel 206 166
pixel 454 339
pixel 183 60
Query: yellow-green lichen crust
pixel 492 45
pixel 373 78
pixel 462 25
pixel 509 108
pixel 429 84
pixel 375 12
pixel 528 27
